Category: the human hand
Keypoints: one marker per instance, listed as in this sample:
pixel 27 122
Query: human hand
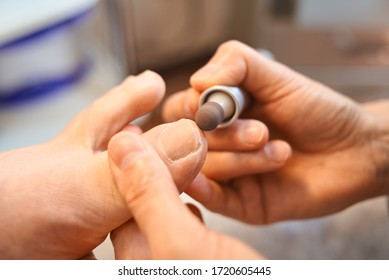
pixel 165 228
pixel 58 199
pixel 339 149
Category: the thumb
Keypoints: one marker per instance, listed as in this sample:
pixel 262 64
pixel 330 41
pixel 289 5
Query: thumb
pixel 148 188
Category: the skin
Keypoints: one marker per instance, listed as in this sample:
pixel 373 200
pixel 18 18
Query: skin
pixel 68 200
pixel 165 228
pixel 340 149
pixel 59 199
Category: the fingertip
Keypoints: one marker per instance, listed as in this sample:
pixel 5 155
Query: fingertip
pixel 180 105
pixel 124 147
pixel 227 67
pixel 133 128
pixel 181 140
pixel 201 77
pixel 278 151
pixel 147 76
pixel 149 81
pixel 253 133
pixel 242 135
pixel 134 97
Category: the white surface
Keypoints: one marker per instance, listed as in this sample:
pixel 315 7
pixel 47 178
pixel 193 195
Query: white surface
pixel 38 120
pixel 41 119
pixel 55 55
pixel 21 17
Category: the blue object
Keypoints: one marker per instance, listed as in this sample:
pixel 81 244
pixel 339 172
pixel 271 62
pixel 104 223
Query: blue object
pixel 36 35
pixel 38 88
pixel 43 88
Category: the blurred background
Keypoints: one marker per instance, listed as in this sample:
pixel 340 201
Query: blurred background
pixel 56 57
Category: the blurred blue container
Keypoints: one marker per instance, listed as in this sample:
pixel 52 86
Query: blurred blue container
pixel 41 47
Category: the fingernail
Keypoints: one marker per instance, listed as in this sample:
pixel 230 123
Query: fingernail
pixel 179 140
pixel 251 134
pixel 277 151
pixel 126 149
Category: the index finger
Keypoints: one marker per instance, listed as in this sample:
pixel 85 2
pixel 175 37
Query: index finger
pixel 236 64
pixel 182 104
